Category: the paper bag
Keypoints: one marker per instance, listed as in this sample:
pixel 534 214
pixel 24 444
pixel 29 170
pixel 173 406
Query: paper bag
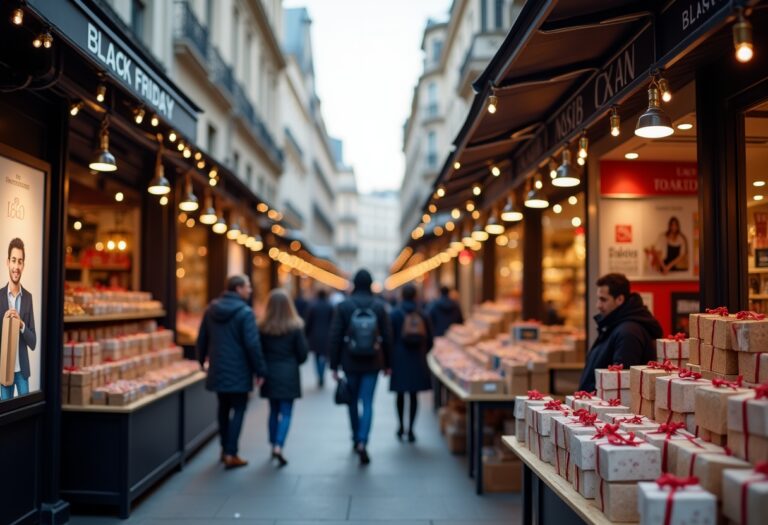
pixel 9 348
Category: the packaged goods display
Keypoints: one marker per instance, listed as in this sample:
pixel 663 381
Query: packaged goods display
pixel 81 301
pixel 675 500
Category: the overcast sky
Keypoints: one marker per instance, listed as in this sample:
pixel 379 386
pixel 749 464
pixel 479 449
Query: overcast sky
pixel 367 60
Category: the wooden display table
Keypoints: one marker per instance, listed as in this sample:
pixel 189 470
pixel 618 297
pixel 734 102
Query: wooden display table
pixel 113 454
pixel 476 406
pixel 549 498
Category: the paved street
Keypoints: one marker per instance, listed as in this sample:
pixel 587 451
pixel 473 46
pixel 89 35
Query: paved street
pixel 414 484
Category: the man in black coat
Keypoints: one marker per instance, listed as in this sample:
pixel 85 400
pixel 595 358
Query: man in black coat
pixel 626 329
pixel 361 371
pixel 318 322
pixel 229 338
pixel 444 312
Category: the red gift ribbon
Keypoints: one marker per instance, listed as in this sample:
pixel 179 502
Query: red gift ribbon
pixel 679 337
pixel 746 315
pixel 761 469
pixel 555 404
pixel 722 311
pixel 687 374
pixel 634 420
pixel 614 402
pixel 582 394
pixel 674 483
pixel 617 369
pixel 614 439
pixel 670 429
pixel 721 383
pixel 568 466
pixel 761 391
pixel 726 451
pixel 757 366
pixel 535 395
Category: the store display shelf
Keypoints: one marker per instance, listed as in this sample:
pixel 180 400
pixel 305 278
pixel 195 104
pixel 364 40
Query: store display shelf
pixel 99 268
pixel 758 296
pixel 129 316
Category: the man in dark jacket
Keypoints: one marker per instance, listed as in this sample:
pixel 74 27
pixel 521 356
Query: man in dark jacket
pixel 626 329
pixel 229 339
pixel 444 312
pixel 361 368
pixel 318 321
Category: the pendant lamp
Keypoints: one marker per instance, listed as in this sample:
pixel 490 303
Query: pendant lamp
pixel 493 227
pixel 159 185
pixel 535 198
pixel 104 161
pixel 189 201
pixel 654 123
pixel 565 177
pixel 510 213
pixel 208 215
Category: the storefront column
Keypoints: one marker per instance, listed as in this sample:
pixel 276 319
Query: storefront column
pixel 489 269
pixel 274 281
pixel 533 287
pixel 217 264
pixel 158 258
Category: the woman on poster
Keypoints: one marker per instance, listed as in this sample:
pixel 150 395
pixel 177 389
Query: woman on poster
pixel 671 249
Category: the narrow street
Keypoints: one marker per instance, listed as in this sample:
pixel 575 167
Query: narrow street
pixel 413 484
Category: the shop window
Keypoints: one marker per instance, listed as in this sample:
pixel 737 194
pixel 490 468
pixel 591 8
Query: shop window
pixel 191 277
pixel 509 267
pixel 756 130
pixel 564 262
pixel 212 140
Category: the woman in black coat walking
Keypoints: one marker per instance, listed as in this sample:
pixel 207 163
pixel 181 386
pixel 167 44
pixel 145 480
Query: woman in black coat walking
pixel 285 348
pixel 318 327
pixel 412 338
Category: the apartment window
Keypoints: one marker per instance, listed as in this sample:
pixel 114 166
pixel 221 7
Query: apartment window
pixel 261 185
pixel 432 99
pixel 235 36
pixel 437 50
pixel 499 8
pixel 247 65
pixel 209 12
pixel 432 149
pixel 248 175
pixel 212 140
pixel 138 12
pixel 236 162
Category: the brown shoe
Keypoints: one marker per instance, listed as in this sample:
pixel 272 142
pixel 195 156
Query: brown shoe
pixel 231 462
pixel 222 456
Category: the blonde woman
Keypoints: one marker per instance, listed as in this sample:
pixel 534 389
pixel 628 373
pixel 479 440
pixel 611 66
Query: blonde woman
pixel 285 348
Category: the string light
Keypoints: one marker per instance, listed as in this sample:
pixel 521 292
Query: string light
pixel 75 108
pixel 456 214
pixel 119 197
pixel 615 123
pixel 470 206
pixel 441 192
pixel 583 145
pixel 666 92
pixel 154 121
pixel 172 136
pixel 457 165
pixel 163 200
pixel 101 93
pixel 495 171
pixel 138 115
pixel 477 190
pixel 17 16
pixel 742 38
pixel 493 102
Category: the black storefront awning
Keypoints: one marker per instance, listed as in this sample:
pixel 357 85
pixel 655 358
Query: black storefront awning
pixel 563 65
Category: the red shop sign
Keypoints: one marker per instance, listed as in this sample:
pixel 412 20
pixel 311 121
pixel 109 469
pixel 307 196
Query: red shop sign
pixel 647 179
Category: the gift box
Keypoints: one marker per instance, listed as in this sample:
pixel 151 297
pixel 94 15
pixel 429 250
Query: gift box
pixel 636 424
pixel 623 395
pixel 714 328
pixel 661 439
pixel 584 481
pixel 605 408
pixel 612 378
pixel 583 449
pixel 539 416
pixel 695 324
pixel 750 335
pixel 711 405
pixel 675 501
pixel 748 447
pixel 753 367
pixel 532 399
pixel 745 500
pixel 80 378
pixel 585 403
pixel 686 451
pixel 695 368
pixel 79 395
pixel 673 348
pixel 617 418
pixel 577 396
pixel 694 351
pixel 712 437
pixel 618 501
pixel 520 430
pixel 755 409
pixel 688 419
pixel 579 429
pixel 677 393
pixel 642 406
pixel 562 462
pixel 635 460
pixel 709 469
pixel 557 430
pixel 542 447
pixel 642 379
pixel 719 360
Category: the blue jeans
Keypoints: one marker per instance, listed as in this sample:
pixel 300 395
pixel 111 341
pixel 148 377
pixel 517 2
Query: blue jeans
pixel 320 362
pixel 361 387
pixel 229 427
pixel 21 384
pixel 280 411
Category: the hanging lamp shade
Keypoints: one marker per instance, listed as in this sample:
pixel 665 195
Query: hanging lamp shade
pixel 511 213
pixel 456 244
pixel 566 176
pixel 257 245
pixel 536 199
pixel 234 230
pixel 220 226
pixel 467 239
pixel 208 215
pixel 159 185
pixel 104 160
pixel 493 227
pixel 189 202
pixel 479 234
pixel 654 123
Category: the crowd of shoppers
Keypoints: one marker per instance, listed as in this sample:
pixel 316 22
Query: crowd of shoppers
pixel 358 337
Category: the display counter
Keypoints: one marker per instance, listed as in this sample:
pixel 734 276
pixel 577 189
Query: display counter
pixel 113 454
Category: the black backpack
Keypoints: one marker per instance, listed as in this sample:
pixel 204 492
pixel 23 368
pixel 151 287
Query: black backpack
pixel 414 330
pixel 363 338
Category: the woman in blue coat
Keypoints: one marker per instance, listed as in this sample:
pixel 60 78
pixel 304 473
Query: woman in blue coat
pixel 412 338
pixel 285 348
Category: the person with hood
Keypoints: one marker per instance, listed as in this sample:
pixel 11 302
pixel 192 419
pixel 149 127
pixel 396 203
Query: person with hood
pixel 626 329
pixel 285 348
pixel 229 339
pixel 412 340
pixel 319 317
pixel 360 342
pixel 444 312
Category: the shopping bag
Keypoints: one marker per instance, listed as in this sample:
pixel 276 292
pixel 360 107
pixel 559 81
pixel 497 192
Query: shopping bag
pixel 342 395
pixel 9 347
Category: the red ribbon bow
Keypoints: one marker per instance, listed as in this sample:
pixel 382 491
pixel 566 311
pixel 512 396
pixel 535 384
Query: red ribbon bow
pixel 579 412
pixel 553 405
pixel 670 429
pixel 666 365
pixel 607 430
pixel 687 374
pixel 535 395
pixel 761 391
pixel 582 394
pixel 679 336
pixel 722 311
pixel 615 368
pixel 719 383
pixel 746 315
pixel 674 483
pixel 760 468
pixel 634 420
pixel 588 420
pixel 614 402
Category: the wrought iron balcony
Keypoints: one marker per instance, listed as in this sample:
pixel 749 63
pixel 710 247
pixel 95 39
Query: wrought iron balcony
pixel 248 113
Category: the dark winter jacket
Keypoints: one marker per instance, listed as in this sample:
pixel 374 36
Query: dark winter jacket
pixel 410 372
pixel 443 313
pixel 283 353
pixel 229 339
pixel 338 353
pixel 626 336
pixel 318 327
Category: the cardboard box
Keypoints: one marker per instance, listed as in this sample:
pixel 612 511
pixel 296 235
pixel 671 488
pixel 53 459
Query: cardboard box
pixel 642 380
pixel 719 360
pixel 604 408
pixel 584 452
pixel 711 407
pixel 709 469
pixel 618 501
pixel 694 350
pixel 753 366
pixel 691 504
pixel 673 350
pixel 681 390
pixel 9 348
pixel 522 401
pixel 606 379
pixel 640 405
pixel 457 439
pixel 688 419
pixel 628 463
pixel 79 395
pixel 663 442
pixel 757 414
pixel 748 447
pixel 541 446
pixel 539 381
pixel 502 476
pixel 686 452
pixel 745 498
pixel 520 430
pixel 749 335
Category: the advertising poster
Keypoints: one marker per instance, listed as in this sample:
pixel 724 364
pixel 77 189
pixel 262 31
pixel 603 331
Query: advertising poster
pixel 650 239
pixel 22 202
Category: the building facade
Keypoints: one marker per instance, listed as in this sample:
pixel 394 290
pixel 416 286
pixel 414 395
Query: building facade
pixel 347 216
pixel 455 53
pixel 378 235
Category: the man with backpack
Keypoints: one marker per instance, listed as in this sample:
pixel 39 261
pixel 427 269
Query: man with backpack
pixel 360 343
pixel 412 336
